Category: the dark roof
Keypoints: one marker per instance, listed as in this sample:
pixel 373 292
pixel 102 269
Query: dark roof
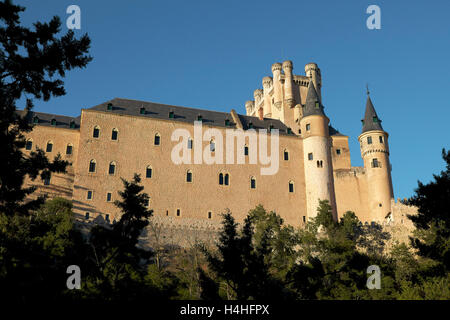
pixel 334 132
pixel 371 120
pixel 184 114
pixel 45 119
pixel 311 99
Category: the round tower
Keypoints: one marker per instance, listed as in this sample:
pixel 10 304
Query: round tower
pixel 313 72
pixel 289 100
pixel 375 153
pixel 319 180
pixel 277 88
pixel 267 86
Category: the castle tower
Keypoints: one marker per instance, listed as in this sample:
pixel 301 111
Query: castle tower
pixel 313 72
pixel 317 154
pixel 375 153
pixel 277 87
pixel 267 86
pixel 289 100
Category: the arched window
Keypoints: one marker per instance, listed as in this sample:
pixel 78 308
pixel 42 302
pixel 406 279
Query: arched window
pixel 112 168
pixel 212 146
pixel 29 144
pixel 252 183
pixel 227 179
pixel 69 149
pixel 53 122
pixel 157 139
pixel 92 164
pixel 49 147
pixel 189 176
pixel 148 172
pixel 221 178
pixel 114 134
pixel 291 186
pixel 96 132
pixel 86 216
pixel 286 155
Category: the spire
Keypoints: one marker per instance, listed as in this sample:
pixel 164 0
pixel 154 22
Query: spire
pixel 312 104
pixel 371 120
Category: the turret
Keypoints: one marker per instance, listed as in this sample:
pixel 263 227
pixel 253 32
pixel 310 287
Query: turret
pixel 257 95
pixel 375 153
pixel 313 72
pixel 317 154
pixel 249 106
pixel 277 88
pixel 267 86
pixel 289 99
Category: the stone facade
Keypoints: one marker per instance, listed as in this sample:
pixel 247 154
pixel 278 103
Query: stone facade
pixel 122 134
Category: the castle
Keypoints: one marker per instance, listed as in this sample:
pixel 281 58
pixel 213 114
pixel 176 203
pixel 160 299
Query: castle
pixel 121 137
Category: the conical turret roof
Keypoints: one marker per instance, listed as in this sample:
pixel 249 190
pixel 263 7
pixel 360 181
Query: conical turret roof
pixel 371 120
pixel 312 104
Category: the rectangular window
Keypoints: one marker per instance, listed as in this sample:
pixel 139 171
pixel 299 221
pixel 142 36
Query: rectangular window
pixel 189 176
pixel 148 173
pixel 209 215
pixel 286 156
pixel 96 133
pixel 375 163
pixel 189 144
pixel 157 140
pixel 49 147
pixel 46 181
pixel 178 212
pixel 381 139
pixel 69 150
pixel 369 140
pixel 89 195
pixel 304 219
pixel 108 197
pixel 28 145
pixel 310 156
pixel 308 127
pixel 338 151
pixel 245 151
pixel 212 147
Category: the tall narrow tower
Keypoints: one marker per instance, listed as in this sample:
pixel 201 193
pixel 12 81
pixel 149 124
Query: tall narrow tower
pixel 375 153
pixel 317 154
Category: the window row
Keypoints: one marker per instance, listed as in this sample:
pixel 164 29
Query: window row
pixel 49 146
pixel 380 139
pixel 115 135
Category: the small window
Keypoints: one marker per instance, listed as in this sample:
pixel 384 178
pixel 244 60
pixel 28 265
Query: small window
pixel 338 151
pixel 221 178
pixel 69 149
pixel 157 139
pixel 109 106
pixel 299 131
pixel 29 144
pixel 304 219
pixel 53 122
pixel 46 181
pixel 96 132
pixel 86 216
pixel 171 115
pixel 319 164
pixel 108 196
pixel 49 146
pixel 369 140
pixel 72 124
pixel 271 128
pixel 250 125
pixel 375 119
pixel 112 168
pixel 107 217
pixel 286 155
pixel 142 111
pixel 178 212
pixel 209 215
pixel 227 122
pixel 289 130
pixel 375 163
pixel 167 212
pixel 245 150
pixel 35 120
pixel 310 156
pixel 148 172
pixel 291 186
pixel 317 105
pixel 252 183
pixel 308 127
pixel 189 176
pixel 114 134
pixel 199 117
pixel 92 166
pixel 89 195
pixel 381 139
pixel 189 143
pixel 212 146
pixel 227 179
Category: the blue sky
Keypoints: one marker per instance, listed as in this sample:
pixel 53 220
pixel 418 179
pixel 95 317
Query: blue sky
pixel 214 54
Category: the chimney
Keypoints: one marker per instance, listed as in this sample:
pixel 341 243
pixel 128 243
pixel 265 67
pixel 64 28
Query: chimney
pixel 261 113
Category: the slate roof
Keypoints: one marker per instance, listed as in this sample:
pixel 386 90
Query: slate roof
pixel 334 132
pixel 310 104
pixel 45 119
pixel 185 114
pixel 371 120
